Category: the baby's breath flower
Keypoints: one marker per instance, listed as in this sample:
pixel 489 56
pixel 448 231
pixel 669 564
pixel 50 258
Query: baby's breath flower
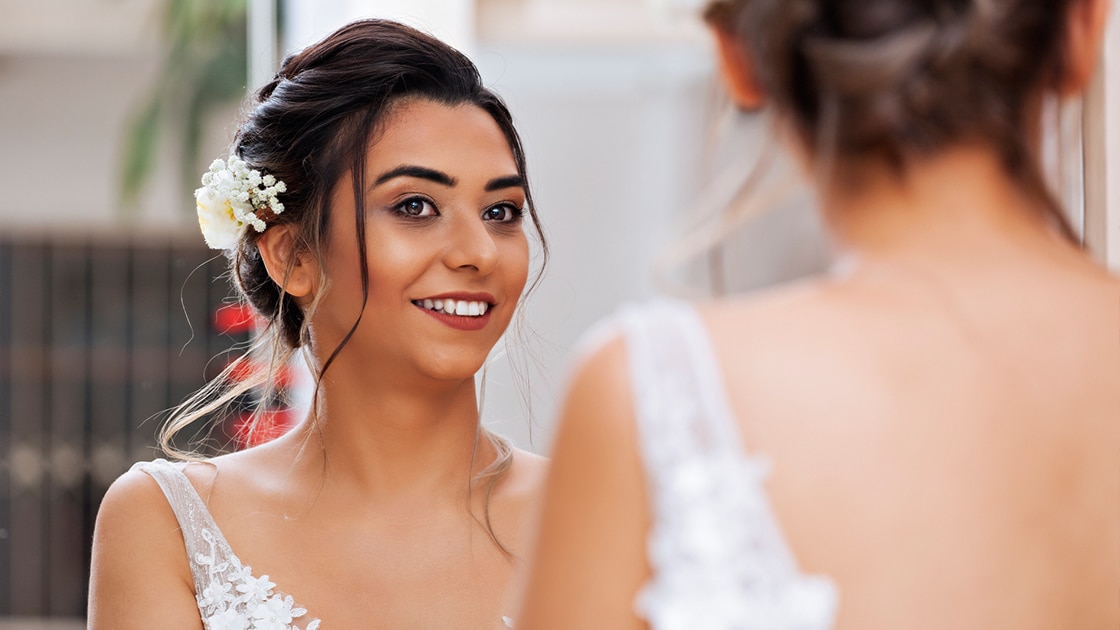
pixel 229 199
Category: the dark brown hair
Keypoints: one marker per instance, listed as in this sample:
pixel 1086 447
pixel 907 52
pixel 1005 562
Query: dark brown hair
pixel 893 81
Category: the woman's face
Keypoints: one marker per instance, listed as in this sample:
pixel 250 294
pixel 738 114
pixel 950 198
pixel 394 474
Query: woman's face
pixel 446 252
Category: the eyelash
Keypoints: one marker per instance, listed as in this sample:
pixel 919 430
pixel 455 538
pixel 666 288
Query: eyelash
pixel 400 207
pixel 515 212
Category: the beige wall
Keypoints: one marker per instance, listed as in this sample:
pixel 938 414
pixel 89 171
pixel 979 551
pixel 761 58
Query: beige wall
pixel 72 75
pixel 590 22
pixel 78 27
pixel 63 120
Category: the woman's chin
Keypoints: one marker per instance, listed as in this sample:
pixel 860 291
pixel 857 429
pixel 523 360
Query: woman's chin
pixel 453 368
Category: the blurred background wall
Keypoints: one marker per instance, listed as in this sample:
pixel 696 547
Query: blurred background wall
pixel 109 308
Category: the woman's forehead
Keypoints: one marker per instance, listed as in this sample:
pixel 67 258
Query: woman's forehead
pixel 449 138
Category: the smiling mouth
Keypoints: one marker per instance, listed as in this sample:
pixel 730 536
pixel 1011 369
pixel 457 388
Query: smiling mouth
pixel 462 308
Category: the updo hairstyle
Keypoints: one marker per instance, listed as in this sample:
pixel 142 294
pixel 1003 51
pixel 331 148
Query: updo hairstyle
pixel 894 81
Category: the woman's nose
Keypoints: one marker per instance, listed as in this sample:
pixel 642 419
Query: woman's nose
pixel 472 246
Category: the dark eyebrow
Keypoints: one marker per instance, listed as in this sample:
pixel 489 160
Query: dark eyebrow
pixel 509 181
pixel 419 172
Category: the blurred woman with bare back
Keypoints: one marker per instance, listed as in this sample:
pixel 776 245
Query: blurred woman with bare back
pixel 926 437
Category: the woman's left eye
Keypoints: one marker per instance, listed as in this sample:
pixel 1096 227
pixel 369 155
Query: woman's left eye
pixel 502 213
pixel 416 207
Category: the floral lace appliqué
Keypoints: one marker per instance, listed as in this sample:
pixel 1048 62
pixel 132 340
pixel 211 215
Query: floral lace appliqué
pixel 234 599
pixel 229 596
pixel 719 558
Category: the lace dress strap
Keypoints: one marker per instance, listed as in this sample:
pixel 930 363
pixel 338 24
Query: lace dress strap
pixel 229 596
pixel 200 532
pixel 718 556
pixel 671 362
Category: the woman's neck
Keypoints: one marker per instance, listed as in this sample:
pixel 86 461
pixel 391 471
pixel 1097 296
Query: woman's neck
pixel 953 207
pixel 393 442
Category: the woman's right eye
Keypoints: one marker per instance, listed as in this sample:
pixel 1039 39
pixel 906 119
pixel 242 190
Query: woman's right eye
pixel 416 207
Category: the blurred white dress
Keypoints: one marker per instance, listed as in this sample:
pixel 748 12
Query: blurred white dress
pixel 718 555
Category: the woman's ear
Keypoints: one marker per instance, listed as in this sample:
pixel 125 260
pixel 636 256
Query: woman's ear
pixel 737 71
pixel 289 267
pixel 1085 26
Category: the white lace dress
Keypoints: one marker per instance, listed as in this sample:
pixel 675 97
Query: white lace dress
pixel 229 596
pixel 718 555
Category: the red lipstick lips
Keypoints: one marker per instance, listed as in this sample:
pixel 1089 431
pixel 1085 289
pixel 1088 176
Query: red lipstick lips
pixel 462 311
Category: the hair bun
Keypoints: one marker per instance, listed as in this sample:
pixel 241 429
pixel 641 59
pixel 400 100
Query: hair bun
pixel 894 80
pixel 853 68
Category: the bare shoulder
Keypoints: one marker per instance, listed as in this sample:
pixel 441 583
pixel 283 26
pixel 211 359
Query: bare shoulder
pixel 590 548
pixel 598 382
pixel 1107 293
pixel 800 301
pixel 204 474
pixel 599 390
pixel 527 474
pixel 518 496
pixel 244 476
pixel 809 315
pixel 139 575
pixel 135 504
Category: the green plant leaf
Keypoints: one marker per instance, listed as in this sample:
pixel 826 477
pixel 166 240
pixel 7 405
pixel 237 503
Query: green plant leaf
pixel 221 80
pixel 203 68
pixel 139 152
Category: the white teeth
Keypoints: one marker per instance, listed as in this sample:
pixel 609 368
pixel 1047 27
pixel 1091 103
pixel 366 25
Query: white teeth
pixel 462 308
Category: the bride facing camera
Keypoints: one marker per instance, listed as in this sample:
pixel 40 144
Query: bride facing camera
pixel 373 210
pixel 926 437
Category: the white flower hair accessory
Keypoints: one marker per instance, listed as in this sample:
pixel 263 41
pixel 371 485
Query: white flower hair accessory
pixel 232 197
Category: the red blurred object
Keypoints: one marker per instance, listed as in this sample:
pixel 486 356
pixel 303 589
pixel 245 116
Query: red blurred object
pixel 270 425
pixel 248 367
pixel 235 318
pixel 250 429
